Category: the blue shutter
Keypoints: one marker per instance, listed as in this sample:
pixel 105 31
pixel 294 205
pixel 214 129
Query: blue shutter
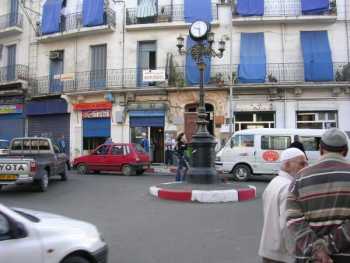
pixel 98 67
pixel 52 106
pixel 317 56
pixel 97 127
pixel 197 10
pixel 146 118
pixel 250 7
pixel 11 126
pixel 252 67
pixel 56 68
pixel 51 17
pixel 192 71
pixel 309 7
pixel 14 13
pixel 93 12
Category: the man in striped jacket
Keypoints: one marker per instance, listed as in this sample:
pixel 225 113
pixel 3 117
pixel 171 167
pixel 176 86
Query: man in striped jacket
pixel 318 205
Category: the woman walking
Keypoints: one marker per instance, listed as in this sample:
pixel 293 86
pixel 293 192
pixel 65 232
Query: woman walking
pixel 180 148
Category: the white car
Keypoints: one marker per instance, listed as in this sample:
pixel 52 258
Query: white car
pixel 38 237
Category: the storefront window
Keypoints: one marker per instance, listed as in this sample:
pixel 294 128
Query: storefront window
pixel 253 120
pixel 317 120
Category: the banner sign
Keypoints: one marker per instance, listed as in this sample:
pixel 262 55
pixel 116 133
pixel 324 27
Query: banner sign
pixel 96 114
pixel 8 109
pixel 153 75
pixel 93 106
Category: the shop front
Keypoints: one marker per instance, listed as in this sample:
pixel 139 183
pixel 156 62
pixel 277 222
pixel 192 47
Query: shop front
pixel 49 118
pixel 96 123
pixel 12 119
pixel 149 124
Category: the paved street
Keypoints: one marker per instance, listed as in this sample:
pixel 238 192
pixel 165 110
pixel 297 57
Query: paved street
pixel 142 229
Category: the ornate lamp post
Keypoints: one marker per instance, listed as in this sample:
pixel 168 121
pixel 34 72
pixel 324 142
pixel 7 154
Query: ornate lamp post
pixel 202 170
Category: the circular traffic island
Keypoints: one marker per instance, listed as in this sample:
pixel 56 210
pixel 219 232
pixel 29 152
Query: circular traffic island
pixel 204 193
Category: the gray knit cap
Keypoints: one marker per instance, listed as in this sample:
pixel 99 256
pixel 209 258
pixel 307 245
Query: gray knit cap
pixel 334 138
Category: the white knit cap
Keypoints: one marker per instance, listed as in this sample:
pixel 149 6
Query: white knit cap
pixel 291 153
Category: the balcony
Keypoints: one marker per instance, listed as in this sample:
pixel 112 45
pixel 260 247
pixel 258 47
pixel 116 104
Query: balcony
pixel 286 11
pixel 13 74
pixel 11 24
pixel 220 76
pixel 71 26
pixel 167 16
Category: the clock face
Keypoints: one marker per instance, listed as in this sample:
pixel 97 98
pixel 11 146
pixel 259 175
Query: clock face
pixel 199 29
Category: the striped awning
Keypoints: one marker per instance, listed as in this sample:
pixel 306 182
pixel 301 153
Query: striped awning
pixel 146 8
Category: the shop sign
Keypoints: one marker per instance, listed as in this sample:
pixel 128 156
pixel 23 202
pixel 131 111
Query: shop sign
pixel 7 109
pixel 11 100
pixel 93 106
pixel 96 114
pixel 254 107
pixel 153 75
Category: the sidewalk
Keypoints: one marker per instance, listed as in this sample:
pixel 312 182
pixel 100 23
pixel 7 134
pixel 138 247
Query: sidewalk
pixel 162 169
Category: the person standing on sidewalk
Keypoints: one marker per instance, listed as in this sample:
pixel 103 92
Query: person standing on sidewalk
pixel 180 148
pixel 318 205
pixel 273 244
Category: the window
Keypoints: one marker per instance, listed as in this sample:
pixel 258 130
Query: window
pixel 102 150
pixel 117 150
pixel 4 144
pixel 17 145
pixel 4 228
pixel 317 120
pixel 310 143
pixel 243 141
pixel 275 142
pixel 253 120
pixel 44 145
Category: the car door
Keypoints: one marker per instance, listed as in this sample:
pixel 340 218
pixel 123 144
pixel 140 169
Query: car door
pixel 115 158
pixel 17 250
pixel 98 159
pixel 60 159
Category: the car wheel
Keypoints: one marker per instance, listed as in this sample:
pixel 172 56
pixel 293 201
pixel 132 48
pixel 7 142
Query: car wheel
pixel 43 182
pixel 140 172
pixel 82 168
pixel 64 174
pixel 242 173
pixel 75 259
pixel 127 170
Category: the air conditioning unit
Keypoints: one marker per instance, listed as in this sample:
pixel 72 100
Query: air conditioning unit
pixel 56 55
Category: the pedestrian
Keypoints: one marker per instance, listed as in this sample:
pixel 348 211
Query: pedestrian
pixel 182 164
pixel 318 205
pixel 62 143
pixel 169 148
pixel 145 142
pixel 108 141
pixel 273 243
pixel 298 144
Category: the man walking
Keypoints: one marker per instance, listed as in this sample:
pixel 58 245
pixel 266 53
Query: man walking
pixel 318 206
pixel 273 244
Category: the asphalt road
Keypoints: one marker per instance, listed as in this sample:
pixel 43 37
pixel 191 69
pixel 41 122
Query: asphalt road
pixel 142 229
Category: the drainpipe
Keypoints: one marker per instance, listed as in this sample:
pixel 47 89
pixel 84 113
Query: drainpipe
pixel 283 28
pixel 347 30
pixel 231 130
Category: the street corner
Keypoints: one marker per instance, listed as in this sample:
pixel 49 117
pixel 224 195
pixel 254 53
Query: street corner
pixel 217 193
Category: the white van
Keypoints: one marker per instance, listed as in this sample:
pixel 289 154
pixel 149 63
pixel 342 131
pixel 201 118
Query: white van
pixel 257 151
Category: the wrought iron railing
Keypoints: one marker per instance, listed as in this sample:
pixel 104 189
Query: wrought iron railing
pixel 286 8
pixel 165 13
pixel 11 20
pixel 74 21
pixel 13 73
pixel 220 75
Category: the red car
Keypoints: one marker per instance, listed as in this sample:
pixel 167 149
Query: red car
pixel 128 158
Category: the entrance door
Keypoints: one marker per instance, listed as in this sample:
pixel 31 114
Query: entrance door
pixel 157 144
pixel 98 67
pixel 11 63
pixel 146 60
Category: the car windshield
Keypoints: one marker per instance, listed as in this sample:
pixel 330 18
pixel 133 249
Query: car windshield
pixel 27 216
pixel 4 144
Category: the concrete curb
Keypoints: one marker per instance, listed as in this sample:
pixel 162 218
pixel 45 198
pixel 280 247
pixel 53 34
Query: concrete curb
pixel 204 196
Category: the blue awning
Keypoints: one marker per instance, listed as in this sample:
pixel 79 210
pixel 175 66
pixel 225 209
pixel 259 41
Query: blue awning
pixel 250 7
pixel 309 7
pixel 146 8
pixel 93 12
pixel 192 72
pixel 51 17
pixel 146 118
pixel 317 56
pixel 52 106
pixel 99 127
pixel 197 10
pixel 252 67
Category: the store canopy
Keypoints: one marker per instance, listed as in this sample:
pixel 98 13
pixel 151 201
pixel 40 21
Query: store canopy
pixel 250 7
pixel 192 72
pixel 146 8
pixel 317 56
pixel 146 118
pixel 93 12
pixel 99 127
pixel 197 10
pixel 44 107
pixel 309 7
pixel 51 17
pixel 252 67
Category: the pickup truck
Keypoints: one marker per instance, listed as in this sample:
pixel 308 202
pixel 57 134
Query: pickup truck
pixel 32 160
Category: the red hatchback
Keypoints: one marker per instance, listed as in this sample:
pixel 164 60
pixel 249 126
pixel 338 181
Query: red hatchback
pixel 128 158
